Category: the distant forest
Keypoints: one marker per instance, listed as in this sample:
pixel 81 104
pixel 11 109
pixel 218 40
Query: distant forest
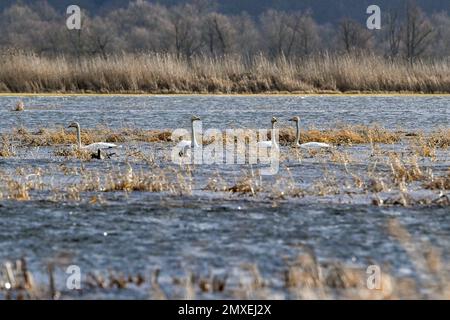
pixel 274 28
pixel 323 10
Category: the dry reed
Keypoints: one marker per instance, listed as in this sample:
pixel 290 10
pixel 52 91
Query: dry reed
pixel 165 73
pixel 341 135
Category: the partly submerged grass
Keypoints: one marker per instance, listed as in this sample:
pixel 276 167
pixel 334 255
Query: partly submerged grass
pixel 390 176
pixel 5 148
pixel 165 73
pixel 345 134
pixel 439 183
pixel 58 137
pixel 392 185
pixel 300 277
pixel 425 144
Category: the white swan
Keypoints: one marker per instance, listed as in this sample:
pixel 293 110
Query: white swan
pixel 308 145
pixel 94 147
pixel 272 142
pixel 186 145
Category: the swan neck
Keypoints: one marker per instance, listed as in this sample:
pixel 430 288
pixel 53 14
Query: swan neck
pixel 274 142
pixel 193 138
pixel 78 136
pixel 297 140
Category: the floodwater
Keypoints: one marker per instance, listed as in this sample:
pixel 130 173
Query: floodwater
pixel 168 112
pixel 204 231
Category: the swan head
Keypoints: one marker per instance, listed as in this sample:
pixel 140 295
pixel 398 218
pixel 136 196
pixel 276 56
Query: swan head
pixel 74 125
pixel 295 119
pixel 274 120
pixel 195 118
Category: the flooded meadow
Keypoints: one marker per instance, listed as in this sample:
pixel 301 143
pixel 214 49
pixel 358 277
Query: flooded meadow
pixel 139 225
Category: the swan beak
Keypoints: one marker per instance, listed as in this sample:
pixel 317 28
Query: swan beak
pixel 195 118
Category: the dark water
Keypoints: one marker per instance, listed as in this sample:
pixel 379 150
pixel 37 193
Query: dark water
pixel 205 231
pixel 162 112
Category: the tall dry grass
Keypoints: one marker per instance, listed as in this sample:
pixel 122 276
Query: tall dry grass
pixel 165 73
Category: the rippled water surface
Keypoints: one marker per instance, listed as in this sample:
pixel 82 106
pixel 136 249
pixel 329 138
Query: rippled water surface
pixel 139 232
pixel 161 112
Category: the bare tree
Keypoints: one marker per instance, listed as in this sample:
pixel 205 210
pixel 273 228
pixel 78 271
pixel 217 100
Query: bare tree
pixel 196 27
pixel 275 30
pixel 219 34
pixel 185 20
pixel 99 36
pixel 393 34
pixel 142 26
pixel 29 27
pixel 441 26
pixel 288 34
pixel 308 34
pixel 354 36
pixel 418 32
pixel 247 37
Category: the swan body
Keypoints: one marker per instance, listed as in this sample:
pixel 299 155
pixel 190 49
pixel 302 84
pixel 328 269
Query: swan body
pixel 94 147
pixel 307 145
pixel 99 146
pixel 315 145
pixel 265 144
pixel 272 143
pixel 187 145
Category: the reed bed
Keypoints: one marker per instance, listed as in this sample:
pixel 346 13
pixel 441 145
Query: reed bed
pixel 439 183
pixel 345 134
pixel 60 136
pixel 424 144
pixel 166 73
pixel 395 160
pixel 396 183
pixel 129 180
pixel 6 149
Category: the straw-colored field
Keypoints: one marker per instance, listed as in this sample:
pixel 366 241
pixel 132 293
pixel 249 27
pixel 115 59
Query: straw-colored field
pixel 161 73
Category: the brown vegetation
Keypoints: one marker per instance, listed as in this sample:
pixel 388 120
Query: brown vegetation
pixel 341 135
pixel 57 137
pixel 165 73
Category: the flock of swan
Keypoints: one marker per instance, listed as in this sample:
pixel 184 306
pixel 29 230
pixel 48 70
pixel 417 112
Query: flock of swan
pixel 186 145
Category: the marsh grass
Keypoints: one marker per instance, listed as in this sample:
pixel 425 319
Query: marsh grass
pixel 60 136
pixel 6 149
pixel 166 73
pixel 150 179
pixel 426 145
pixel 19 188
pixel 439 138
pixel 390 178
pixel 404 169
pixel 20 106
pixel 389 186
pixel 249 184
pixel 74 153
pixel 439 183
pixel 341 135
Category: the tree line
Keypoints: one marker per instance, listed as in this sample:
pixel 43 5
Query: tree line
pixel 198 28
